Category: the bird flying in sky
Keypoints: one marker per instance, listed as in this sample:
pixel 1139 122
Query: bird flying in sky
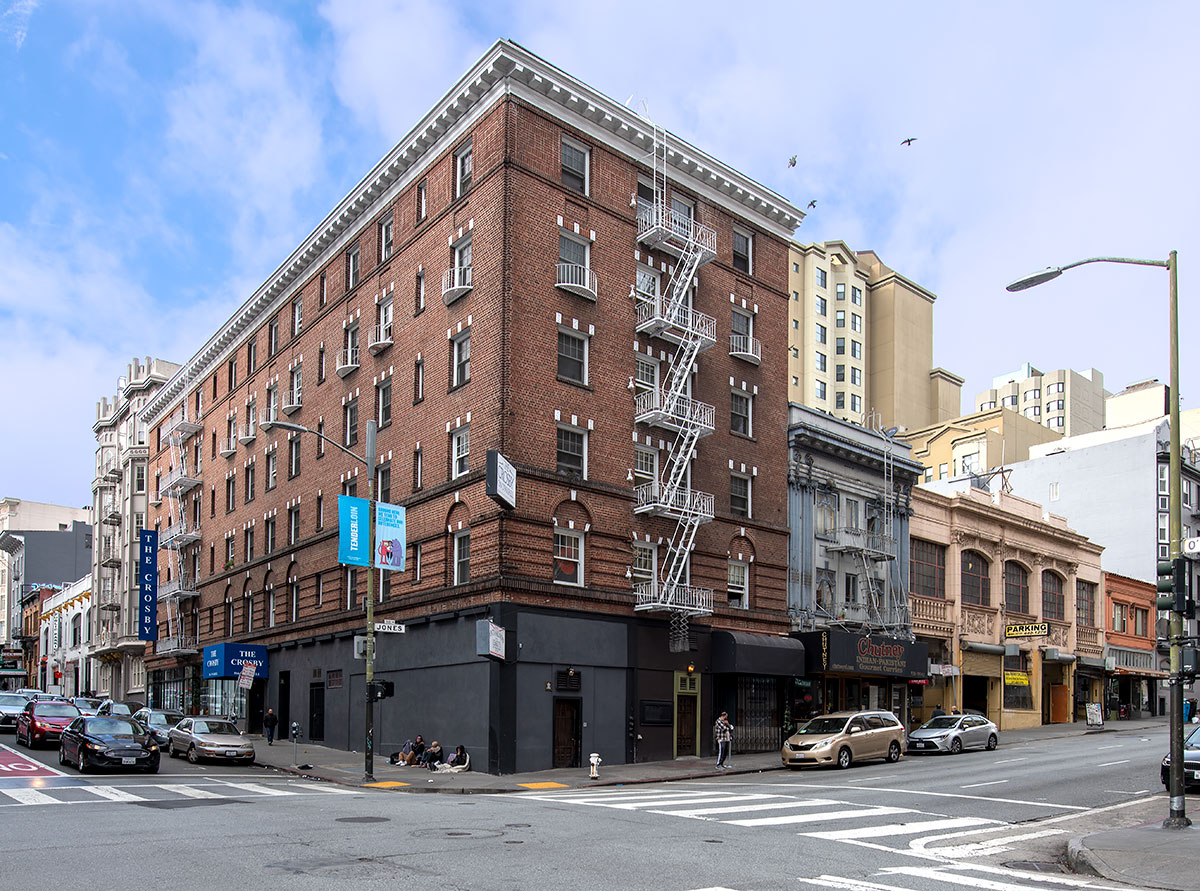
pixel 792 161
pixel 908 141
pixel 812 203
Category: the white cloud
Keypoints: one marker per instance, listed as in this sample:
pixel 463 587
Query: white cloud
pixel 14 21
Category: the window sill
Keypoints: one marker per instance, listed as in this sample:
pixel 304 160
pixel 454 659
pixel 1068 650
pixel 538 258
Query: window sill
pixel 746 436
pixel 458 386
pixel 418 401
pixel 575 383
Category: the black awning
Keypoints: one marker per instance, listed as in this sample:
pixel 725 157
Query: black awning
pixel 743 652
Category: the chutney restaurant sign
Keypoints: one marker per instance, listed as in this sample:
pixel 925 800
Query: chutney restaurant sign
pixel 226 660
pixel 828 651
pixel 1027 629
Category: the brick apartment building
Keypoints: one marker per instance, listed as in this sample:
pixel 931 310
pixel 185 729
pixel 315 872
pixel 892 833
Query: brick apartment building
pixel 537 270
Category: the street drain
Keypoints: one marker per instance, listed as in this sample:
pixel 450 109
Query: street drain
pixel 363 820
pixel 517 842
pixel 713 841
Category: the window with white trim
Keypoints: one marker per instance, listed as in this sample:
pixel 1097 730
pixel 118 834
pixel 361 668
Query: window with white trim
pixel 645 464
pixel 297 314
pixel 647 282
pixel 383 402
pixel 739 494
pixel 460 452
pixel 353 267
pixel 572 451
pixel 350 423
pixel 568 557
pixel 385 237
pixel 463 169
pixel 575 164
pixel 743 250
pixel 644 569
pixel 741 406
pixel 645 373
pixel 571 250
pixel 738 584
pixel 460 359
pixel 462 557
pixel 572 356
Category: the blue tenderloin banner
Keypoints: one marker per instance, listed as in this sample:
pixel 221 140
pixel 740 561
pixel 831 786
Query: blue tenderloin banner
pixel 389 536
pixel 147 585
pixel 352 531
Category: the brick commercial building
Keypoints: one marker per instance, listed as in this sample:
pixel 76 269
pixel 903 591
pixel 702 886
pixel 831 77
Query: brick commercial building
pixel 539 271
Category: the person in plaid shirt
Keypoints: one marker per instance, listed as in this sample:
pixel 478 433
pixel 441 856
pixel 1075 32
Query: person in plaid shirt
pixel 723 734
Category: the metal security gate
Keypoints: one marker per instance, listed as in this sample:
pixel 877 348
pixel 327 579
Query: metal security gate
pixel 758 724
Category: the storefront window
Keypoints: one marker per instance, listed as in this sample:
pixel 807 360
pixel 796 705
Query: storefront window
pixel 1017 692
pixel 976 581
pixel 1016 588
pixel 928 568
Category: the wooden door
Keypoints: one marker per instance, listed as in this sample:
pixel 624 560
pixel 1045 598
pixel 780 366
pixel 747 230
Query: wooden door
pixel 1060 704
pixel 568 741
pixel 686 742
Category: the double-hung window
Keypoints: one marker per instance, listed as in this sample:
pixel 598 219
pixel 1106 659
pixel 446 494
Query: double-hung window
pixel 462 557
pixel 645 464
pixel 568 557
pixel 350 423
pixel 463 168
pixel 460 452
pixel 738 584
pixel 273 336
pixel 822 333
pixel 421 206
pixel 353 267
pixel 575 165
pixel 572 356
pixel 740 406
pixel 383 402
pixel 297 314
pixel 385 237
pixel 644 567
pixel 293 456
pixel 572 451
pixel 743 246
pixel 272 471
pixel 460 359
pixel 739 495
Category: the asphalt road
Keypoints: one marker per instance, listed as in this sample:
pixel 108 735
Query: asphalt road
pixel 977 820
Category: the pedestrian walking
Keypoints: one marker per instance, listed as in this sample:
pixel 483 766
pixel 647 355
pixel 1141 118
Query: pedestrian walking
pixel 270 722
pixel 723 734
pixel 937 712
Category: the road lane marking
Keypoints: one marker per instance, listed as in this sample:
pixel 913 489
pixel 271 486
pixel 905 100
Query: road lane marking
pixel 824 815
pixel 893 829
pixel 29 796
pixel 648 803
pixel 742 808
pixel 902 791
pixel 1010 761
pixel 112 793
pixel 257 789
pixel 1115 746
pixel 191 791
pixel 1113 763
pixel 977 785
pixel 845 884
pixel 993 846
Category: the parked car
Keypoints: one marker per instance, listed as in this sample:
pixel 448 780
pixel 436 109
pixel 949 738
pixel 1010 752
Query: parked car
pixel 87 705
pixel 42 721
pixel 209 738
pixel 28 692
pixel 953 733
pixel 158 721
pixel 11 705
pixel 1191 760
pixel 114 707
pixel 844 737
pixel 107 741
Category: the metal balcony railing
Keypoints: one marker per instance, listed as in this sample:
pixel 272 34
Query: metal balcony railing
pixel 674 412
pixel 109 598
pixel 110 553
pixel 293 402
pixel 112 471
pixel 178 535
pixel 347 361
pixel 111 513
pixel 179 588
pixel 380 339
pixel 179 643
pixel 248 432
pixel 456 281
pixel 228 446
pixel 680 598
pixel 743 346
pixel 676 323
pixel 180 480
pixel 655 498
pixel 874 543
pixel 577 279
pixel 180 426
pixel 670 229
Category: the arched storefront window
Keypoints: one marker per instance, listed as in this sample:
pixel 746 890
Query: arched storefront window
pixel 1016 588
pixel 1053 606
pixel 976 579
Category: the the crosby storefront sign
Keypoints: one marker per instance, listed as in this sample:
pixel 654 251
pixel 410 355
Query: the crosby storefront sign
pixel 226 660
pixel 840 651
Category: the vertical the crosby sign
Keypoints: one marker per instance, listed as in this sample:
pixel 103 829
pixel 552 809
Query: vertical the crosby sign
pixel 147 585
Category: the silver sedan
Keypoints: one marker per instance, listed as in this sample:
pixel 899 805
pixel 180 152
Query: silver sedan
pixel 953 733
pixel 209 738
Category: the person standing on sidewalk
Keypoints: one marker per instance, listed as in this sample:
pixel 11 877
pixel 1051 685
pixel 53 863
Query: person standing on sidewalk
pixel 270 722
pixel 723 734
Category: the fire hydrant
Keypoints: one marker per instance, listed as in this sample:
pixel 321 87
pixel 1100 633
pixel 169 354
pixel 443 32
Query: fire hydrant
pixel 595 760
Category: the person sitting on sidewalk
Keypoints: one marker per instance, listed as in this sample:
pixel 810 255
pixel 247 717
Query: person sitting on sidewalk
pixel 458 762
pixel 410 753
pixel 402 755
pixel 432 756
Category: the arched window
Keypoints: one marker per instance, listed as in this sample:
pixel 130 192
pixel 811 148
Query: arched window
pixel 1053 606
pixel 1016 588
pixel 229 617
pixel 976 579
pixel 247 609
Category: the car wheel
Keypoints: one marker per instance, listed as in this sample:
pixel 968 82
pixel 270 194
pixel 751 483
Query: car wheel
pixel 152 768
pixel 81 764
pixel 20 741
pixel 993 741
pixel 192 755
pixel 62 755
pixel 844 758
pixel 893 752
pixel 171 753
pixel 955 746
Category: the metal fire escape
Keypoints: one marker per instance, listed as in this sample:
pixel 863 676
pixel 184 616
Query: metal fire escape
pixel 668 314
pixel 181 532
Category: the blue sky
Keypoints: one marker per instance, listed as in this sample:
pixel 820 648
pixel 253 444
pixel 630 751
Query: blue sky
pixel 159 159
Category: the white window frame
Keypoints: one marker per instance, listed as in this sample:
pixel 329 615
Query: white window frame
pixel 645 464
pixel 464 169
pixel 739 232
pixel 749 414
pixel 583 434
pixel 647 276
pixel 460 452
pixel 383 407
pixel 642 365
pixel 572 334
pixel 562 535
pixel 297 314
pixel 642 574
pixel 387 231
pixel 353 266
pixel 749 481
pixel 737 584
pixel 587 164
pixel 460 358
pixel 462 568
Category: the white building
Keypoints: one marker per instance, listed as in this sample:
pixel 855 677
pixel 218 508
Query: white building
pixel 64 634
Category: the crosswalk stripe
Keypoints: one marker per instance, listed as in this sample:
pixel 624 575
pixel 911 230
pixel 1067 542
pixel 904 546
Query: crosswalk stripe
pixel 892 829
pixel 588 797
pixel 28 796
pixel 192 792
pixel 824 815
pixel 112 793
pixel 668 802
pixel 744 808
pixel 257 789
pixel 963 880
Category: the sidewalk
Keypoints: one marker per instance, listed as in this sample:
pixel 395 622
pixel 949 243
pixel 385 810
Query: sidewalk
pixel 1143 855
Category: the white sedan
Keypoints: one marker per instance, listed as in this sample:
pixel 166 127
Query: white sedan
pixel 953 733
pixel 209 738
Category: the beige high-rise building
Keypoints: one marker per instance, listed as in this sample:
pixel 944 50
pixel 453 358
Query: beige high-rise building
pixel 861 340
pixel 1066 401
pixel 975 443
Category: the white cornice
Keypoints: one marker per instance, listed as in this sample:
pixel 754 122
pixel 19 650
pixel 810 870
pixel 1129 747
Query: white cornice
pixel 505 68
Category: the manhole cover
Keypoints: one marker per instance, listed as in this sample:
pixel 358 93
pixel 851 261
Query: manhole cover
pixel 363 820
pixel 456 832
pixel 713 841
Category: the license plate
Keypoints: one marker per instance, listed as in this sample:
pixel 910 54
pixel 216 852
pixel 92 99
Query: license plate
pixel 231 753
pixel 129 761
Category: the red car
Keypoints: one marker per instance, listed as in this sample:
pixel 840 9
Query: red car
pixel 43 721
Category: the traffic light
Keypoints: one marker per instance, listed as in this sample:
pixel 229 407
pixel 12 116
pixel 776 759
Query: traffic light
pixel 382 689
pixel 1173 585
pixel 1189 663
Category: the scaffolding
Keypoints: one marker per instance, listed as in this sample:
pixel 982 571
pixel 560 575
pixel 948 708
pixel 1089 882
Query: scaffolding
pixel 668 227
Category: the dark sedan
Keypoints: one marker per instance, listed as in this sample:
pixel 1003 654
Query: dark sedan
pixel 158 722
pixel 43 721
pixel 1191 759
pixel 92 741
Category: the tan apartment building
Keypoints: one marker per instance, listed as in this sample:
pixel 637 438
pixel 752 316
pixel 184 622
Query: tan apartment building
pixel 997 588
pixel 861 340
pixel 1066 401
pixel 975 443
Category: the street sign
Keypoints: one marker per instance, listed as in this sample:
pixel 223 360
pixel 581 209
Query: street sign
pixel 246 678
pixel 390 628
pixel 1191 548
pixel 500 481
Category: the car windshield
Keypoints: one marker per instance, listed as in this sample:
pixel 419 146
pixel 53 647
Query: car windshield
pixel 56 710
pixel 165 719
pixel 216 727
pixel 823 725
pixel 944 722
pixel 13 699
pixel 87 703
pixel 1194 739
pixel 119 708
pixel 107 726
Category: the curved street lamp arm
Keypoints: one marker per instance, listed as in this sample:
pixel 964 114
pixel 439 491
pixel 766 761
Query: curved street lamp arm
pixel 299 428
pixel 1129 260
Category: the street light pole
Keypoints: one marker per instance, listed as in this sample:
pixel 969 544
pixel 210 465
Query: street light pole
pixel 1176 815
pixel 372 428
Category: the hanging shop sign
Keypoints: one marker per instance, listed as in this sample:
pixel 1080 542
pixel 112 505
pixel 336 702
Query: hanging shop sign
pixel 1027 629
pixel 147 585
pixel 226 660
